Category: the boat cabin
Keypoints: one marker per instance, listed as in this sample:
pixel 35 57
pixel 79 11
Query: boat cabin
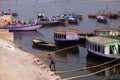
pixel 40 15
pixel 103 46
pixel 68 35
pixel 107 32
pixel 102 19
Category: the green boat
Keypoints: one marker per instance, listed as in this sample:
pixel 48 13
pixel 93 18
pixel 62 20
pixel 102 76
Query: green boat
pixel 103 46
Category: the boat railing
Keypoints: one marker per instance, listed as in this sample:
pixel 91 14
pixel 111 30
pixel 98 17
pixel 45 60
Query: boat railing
pixel 59 31
pixel 72 30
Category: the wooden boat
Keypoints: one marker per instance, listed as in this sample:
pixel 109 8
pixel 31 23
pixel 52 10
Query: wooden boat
pixel 109 14
pixel 24 27
pixel 107 32
pixel 102 19
pixel 66 37
pixel 103 46
pixel 42 43
pixel 92 16
pixel 46 21
pixel 79 16
pixel 72 19
pixel 114 15
pixel 14 14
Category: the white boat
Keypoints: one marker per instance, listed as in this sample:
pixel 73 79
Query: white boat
pixel 102 19
pixel 103 46
pixel 66 37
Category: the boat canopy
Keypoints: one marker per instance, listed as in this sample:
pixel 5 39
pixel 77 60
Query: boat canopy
pixel 103 40
pixel 61 31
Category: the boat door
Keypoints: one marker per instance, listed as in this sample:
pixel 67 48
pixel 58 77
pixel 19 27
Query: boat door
pixel 113 49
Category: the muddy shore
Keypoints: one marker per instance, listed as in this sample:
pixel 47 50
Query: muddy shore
pixel 16 64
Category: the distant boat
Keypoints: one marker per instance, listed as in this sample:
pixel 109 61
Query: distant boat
pixel 43 43
pixel 92 16
pixel 103 47
pixel 102 19
pixel 24 27
pixel 72 18
pixel 15 14
pixel 107 32
pixel 66 37
pixel 41 19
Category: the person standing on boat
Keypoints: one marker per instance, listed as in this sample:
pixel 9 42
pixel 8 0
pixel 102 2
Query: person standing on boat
pixel 52 61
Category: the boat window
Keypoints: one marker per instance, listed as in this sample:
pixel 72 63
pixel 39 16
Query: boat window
pixel 64 36
pixel 102 49
pixel 61 36
pixel 98 48
pixel 95 47
pixel 58 36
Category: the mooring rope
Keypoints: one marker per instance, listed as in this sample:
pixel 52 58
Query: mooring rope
pixel 65 48
pixel 86 75
pixel 62 49
pixel 45 55
pixel 81 69
pixel 106 77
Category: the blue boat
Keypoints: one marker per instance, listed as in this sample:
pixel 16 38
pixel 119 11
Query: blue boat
pixel 72 19
pixel 102 19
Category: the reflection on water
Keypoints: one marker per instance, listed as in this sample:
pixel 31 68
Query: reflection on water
pixel 43 48
pixel 20 34
pixel 23 38
pixel 69 55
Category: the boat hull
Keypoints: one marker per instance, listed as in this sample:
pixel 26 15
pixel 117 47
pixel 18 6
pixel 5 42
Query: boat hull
pixel 42 43
pixel 103 55
pixel 24 28
pixel 103 47
pixel 66 43
pixel 48 23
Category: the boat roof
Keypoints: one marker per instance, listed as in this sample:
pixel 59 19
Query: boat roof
pixel 103 40
pixel 61 31
pixel 106 29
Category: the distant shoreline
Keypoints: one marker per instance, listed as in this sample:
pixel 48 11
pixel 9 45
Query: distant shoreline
pixel 98 0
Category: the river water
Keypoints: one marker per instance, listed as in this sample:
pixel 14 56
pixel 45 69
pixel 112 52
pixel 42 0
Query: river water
pixel 74 58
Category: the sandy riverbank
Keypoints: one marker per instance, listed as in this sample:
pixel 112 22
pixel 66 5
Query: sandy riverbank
pixel 16 64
